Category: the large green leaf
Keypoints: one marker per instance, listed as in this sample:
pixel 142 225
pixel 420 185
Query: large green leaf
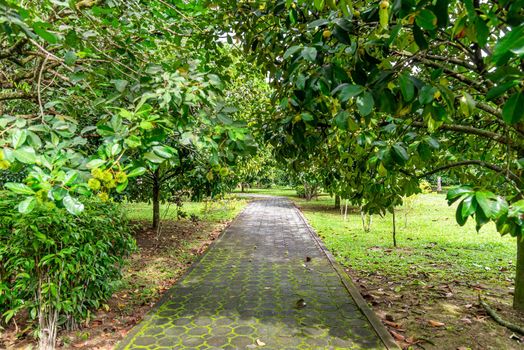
pixel 291 51
pixel 19 188
pixel 513 111
pixel 426 19
pixel 419 37
pixel 137 172
pixel 153 158
pixel 70 177
pixel 27 205
pixel 427 94
pixel 341 120
pixel 365 103
pixel 309 53
pixel 492 205
pixel 349 91
pixel 73 205
pixel 498 90
pixel 455 193
pixel 95 163
pixel 26 155
pixel 406 87
pixel 511 43
pixel 18 138
pixel 399 153
pixel 165 152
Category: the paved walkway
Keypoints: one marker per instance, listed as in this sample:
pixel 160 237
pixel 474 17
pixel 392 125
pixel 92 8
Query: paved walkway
pixel 266 283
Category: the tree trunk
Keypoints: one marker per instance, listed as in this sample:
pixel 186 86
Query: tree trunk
pixel 242 187
pixel 439 184
pixel 337 201
pixel 156 199
pixel 367 219
pixel 518 297
pixel 48 322
pixel 394 229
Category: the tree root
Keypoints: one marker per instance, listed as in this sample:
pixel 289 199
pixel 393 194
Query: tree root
pixel 499 320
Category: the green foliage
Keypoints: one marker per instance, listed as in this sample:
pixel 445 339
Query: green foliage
pixel 95 95
pixel 52 261
pixel 395 92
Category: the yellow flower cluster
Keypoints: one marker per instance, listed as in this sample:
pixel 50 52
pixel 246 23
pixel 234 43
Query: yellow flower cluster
pixel 104 181
pixel 4 164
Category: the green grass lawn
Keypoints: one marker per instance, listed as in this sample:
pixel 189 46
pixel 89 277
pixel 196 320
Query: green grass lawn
pixel 274 191
pixel 212 211
pixel 429 239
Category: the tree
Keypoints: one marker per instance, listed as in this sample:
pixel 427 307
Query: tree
pixel 407 89
pixel 92 95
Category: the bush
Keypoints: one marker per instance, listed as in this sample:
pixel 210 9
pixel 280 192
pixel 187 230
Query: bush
pixel 425 186
pixel 307 191
pixel 58 267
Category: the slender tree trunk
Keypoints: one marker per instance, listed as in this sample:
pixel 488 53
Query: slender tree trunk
pixel 242 187
pixel 394 229
pixel 439 184
pixel 518 297
pixel 156 199
pixel 337 201
pixel 367 219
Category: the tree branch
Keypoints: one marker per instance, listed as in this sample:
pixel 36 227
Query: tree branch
pixel 16 96
pixel 466 129
pixel 509 175
pixel 478 85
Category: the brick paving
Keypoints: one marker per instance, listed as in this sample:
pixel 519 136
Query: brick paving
pixel 266 283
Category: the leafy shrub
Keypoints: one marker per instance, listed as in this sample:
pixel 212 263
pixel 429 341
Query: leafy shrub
pixel 56 266
pixel 307 191
pixel 425 186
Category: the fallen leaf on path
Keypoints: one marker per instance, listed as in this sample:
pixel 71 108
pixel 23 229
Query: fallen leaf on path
pixel 260 342
pixel 433 323
pixel 466 320
pixel 397 336
pixel 301 303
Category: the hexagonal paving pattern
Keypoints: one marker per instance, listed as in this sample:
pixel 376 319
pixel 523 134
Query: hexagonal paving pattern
pixel 265 284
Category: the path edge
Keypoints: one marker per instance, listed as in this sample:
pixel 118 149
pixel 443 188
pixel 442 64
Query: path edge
pixel 123 343
pixel 380 329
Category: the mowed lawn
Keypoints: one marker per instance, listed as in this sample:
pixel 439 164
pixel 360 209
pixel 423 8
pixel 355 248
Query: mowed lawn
pixel 428 237
pixel 211 211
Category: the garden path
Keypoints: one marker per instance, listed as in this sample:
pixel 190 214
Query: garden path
pixel 267 282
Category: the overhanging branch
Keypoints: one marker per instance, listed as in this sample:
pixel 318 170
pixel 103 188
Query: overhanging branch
pixel 466 129
pixel 504 172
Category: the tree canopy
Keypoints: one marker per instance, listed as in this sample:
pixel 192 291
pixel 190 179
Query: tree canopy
pixel 364 98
